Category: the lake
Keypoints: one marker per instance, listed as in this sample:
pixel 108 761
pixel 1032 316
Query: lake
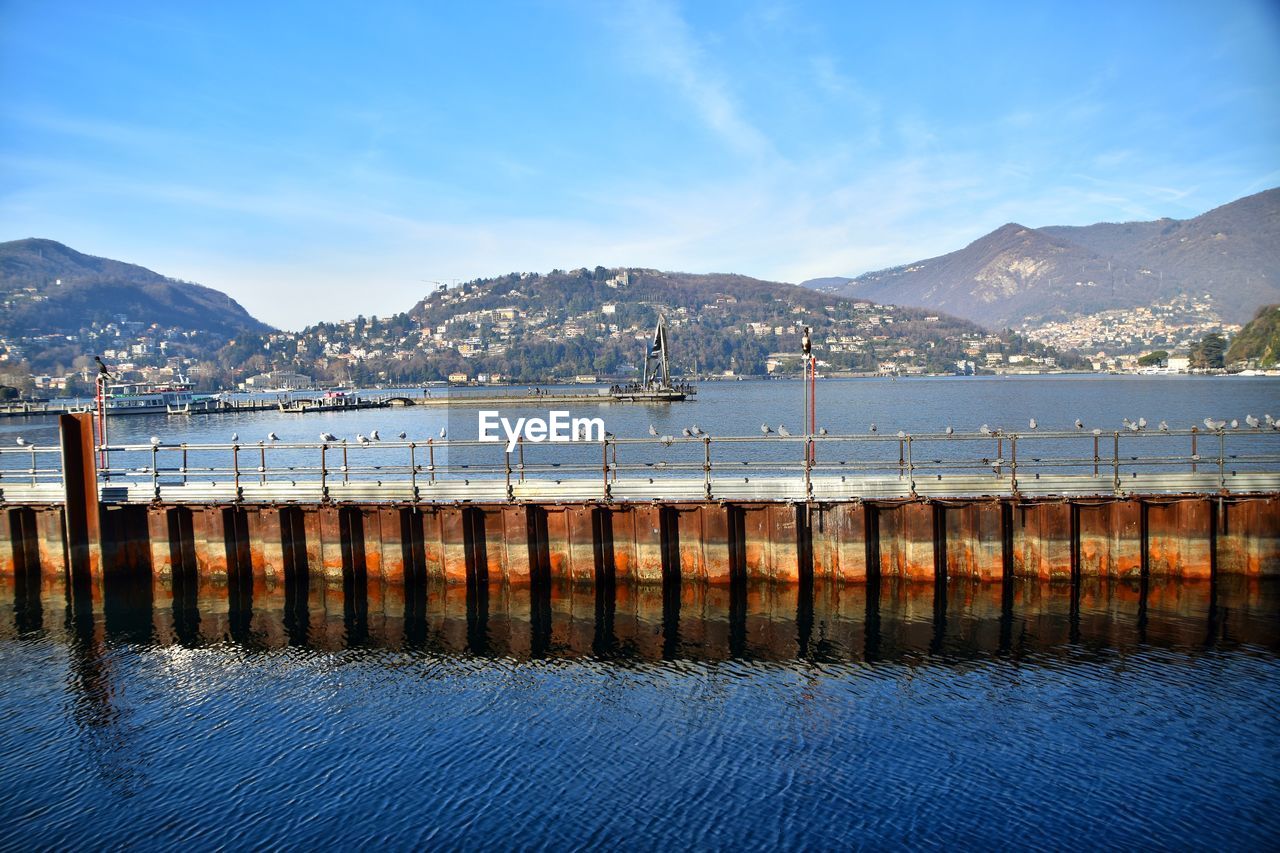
pixel 1110 716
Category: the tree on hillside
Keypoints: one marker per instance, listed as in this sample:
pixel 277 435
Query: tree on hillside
pixel 1154 359
pixel 1207 354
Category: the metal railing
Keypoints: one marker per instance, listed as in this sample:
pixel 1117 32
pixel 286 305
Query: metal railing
pixel 773 467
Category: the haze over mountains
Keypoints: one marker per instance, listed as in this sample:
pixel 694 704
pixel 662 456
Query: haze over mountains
pixel 1018 274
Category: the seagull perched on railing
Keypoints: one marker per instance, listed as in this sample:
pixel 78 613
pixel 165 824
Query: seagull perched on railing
pixel 950 431
pixel 328 437
pixel 373 435
pixel 155 441
pixel 363 439
pixel 235 436
pixel 403 435
pixel 901 434
pixel 688 433
pixel 22 442
pixel 1033 423
pixel 1214 425
pixel 873 427
pixel 783 431
pixel 1142 423
pixel 1235 424
pixel 1252 421
pixel 822 430
pixel 653 431
pixel 271 436
pixel 697 430
pixel 1164 427
pixel 1097 431
pixel 984 429
pixel 1079 424
pixel 442 432
pixel 765 429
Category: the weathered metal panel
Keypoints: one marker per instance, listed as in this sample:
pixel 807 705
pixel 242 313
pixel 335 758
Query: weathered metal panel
pixel 1042 541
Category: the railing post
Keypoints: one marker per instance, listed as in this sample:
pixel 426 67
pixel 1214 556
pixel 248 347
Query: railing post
pixel 431 461
pixel 1096 457
pixel 413 468
pixel 155 473
pixel 262 464
pixel 901 459
pixel 1115 462
pixel 520 447
pixel 1013 465
pixel 506 455
pixel 1222 452
pixel 999 455
pixel 604 452
pixel 911 469
pixel 706 466
pixel 324 471
pixel 184 463
pixel 1195 434
pixel 344 462
pixel 235 467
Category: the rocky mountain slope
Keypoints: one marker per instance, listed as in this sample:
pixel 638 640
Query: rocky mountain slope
pixel 1018 274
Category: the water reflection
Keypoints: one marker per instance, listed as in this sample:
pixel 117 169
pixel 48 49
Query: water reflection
pixel 893 620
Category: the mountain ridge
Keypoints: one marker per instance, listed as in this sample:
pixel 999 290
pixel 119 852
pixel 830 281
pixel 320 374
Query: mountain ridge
pixel 1017 274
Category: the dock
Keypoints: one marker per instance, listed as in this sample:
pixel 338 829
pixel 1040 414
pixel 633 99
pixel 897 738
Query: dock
pixel 704 511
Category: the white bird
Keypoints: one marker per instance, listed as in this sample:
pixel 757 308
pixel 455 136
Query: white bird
pixel 328 437
pixel 766 429
pixel 403 435
pixel 1252 421
pixel 155 441
pixel 1079 424
pixel 1142 423
pixel 373 435
pixel 442 432
pixel 984 429
pixel 822 430
pixel 950 431
pixel 271 436
pixel 901 434
pixel 653 431
pixel 1208 423
pixel 364 441
pixel 667 440
pixel 1235 424
pixel 688 433
pixel 1132 427
pixel 235 436
pixel 1268 420
pixel 873 427
pixel 783 431
pixel 697 430
pixel 1097 431
pixel 1128 424
pixel 22 442
pixel 1164 427
pixel 1032 423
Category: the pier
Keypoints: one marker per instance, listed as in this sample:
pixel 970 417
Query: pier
pixel 331 518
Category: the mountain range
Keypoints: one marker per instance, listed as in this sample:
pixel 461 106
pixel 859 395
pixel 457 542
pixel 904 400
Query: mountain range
pixel 1017 274
pixel 48 288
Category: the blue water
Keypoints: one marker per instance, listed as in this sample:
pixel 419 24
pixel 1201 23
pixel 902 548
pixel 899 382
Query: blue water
pixel 1111 719
pixel 1108 724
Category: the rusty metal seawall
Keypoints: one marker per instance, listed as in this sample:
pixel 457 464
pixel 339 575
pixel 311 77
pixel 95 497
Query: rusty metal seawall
pixel 892 519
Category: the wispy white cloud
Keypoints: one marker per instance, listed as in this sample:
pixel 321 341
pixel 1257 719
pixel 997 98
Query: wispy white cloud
pixel 659 40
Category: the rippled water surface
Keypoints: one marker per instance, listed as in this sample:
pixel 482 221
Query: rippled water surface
pixel 771 717
pixel 1117 716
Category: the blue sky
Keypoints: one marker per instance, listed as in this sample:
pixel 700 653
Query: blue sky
pixel 317 160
